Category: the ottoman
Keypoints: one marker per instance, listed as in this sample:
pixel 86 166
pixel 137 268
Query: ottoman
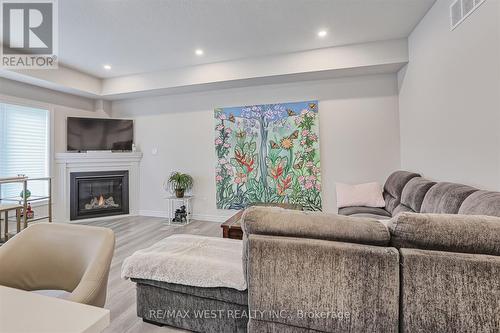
pixel 191 282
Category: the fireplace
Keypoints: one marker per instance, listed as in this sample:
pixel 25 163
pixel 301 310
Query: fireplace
pixel 98 194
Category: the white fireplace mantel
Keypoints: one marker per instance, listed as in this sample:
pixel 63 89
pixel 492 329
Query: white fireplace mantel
pixel 66 163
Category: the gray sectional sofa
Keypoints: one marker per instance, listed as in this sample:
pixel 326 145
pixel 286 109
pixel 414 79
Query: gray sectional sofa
pixel 314 272
pixel 430 270
pixel 408 192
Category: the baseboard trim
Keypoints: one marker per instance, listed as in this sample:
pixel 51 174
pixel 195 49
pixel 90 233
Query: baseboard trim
pixel 200 217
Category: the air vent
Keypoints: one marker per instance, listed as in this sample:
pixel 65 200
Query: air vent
pixel 461 9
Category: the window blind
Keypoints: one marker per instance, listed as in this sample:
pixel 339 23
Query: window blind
pixel 24 147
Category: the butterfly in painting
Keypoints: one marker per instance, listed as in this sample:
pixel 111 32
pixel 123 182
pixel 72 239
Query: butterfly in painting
pixel 312 106
pixel 294 135
pixel 286 142
pixel 232 118
pixel 298 165
pixel 241 134
pixel 290 112
pixel 273 144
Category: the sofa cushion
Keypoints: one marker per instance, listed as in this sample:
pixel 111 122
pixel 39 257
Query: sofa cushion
pixel 291 275
pixel 446 232
pixel 394 187
pixel 401 209
pixel 481 203
pixel 449 293
pixel 291 223
pixel 445 198
pixel 364 210
pixel 414 193
pixel 390 202
pixel 397 181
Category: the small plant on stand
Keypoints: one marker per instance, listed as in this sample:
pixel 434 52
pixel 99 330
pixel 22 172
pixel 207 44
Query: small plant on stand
pixel 179 183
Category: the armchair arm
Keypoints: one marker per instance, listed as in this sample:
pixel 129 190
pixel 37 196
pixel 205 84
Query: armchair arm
pixel 26 262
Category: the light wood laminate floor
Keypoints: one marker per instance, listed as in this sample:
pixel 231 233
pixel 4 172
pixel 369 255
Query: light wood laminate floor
pixel 132 234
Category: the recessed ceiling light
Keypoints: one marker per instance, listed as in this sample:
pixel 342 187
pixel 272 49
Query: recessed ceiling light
pixel 107 67
pixel 199 52
pixel 322 33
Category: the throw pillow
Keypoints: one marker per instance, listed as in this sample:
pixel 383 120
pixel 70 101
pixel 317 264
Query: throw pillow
pixel 368 195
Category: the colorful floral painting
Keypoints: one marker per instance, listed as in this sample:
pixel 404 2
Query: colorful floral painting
pixel 268 153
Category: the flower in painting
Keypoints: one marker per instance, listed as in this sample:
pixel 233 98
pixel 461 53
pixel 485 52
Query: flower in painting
pixel 286 143
pixel 227 166
pixel 227 145
pixel 244 161
pixel 240 178
pixel 218 141
pixel 222 161
pixel 218 178
pixel 318 186
pixel 228 130
pixel 313 137
pixel 305 132
pixel 301 179
pixel 282 187
pixel 277 172
pixel 219 127
pixel 308 185
pixel 309 164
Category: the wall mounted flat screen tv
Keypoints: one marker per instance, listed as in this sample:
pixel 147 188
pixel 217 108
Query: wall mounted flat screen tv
pixel 87 134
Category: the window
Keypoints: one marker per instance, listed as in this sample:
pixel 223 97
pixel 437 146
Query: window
pixel 24 147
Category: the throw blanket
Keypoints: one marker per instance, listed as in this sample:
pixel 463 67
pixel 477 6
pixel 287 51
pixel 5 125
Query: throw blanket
pixel 189 260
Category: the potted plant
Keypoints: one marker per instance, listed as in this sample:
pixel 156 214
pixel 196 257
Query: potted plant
pixel 179 182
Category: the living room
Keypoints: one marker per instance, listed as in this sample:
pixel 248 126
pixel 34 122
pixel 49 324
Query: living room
pixel 139 155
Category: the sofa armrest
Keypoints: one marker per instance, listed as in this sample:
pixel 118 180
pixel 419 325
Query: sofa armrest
pixel 323 285
pixel 290 223
pixel 446 232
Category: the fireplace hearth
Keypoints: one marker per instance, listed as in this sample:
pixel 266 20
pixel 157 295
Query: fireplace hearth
pixel 98 194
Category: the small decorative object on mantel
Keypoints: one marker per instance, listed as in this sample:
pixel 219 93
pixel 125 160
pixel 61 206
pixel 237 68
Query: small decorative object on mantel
pixel 179 183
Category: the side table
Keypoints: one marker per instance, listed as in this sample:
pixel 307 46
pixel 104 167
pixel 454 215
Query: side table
pixel 174 203
pixel 5 209
pixel 232 227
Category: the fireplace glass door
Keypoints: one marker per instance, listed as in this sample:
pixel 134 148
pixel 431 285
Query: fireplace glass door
pixel 99 194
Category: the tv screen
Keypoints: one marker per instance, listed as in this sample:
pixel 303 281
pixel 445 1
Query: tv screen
pixel 100 134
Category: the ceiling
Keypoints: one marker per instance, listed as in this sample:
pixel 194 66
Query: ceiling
pixel 150 35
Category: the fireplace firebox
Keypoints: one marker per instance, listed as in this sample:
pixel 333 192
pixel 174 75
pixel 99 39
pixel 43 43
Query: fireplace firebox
pixel 98 194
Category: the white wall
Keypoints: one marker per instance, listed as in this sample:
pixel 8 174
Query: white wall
pixel 449 97
pixel 359 134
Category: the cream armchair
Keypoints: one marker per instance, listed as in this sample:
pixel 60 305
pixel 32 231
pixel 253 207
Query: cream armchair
pixel 50 256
